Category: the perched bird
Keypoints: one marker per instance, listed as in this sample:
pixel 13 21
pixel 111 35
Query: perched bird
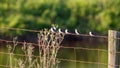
pixel 59 30
pixel 52 30
pixel 66 31
pixel 90 33
pixel 76 31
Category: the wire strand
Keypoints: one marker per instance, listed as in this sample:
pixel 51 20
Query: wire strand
pixel 62 59
pixel 67 47
pixel 37 31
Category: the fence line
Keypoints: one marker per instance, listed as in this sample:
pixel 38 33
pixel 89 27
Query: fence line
pixel 8 41
pixel 27 30
pixel 37 31
pixel 2 40
pixel 62 59
pixel 88 62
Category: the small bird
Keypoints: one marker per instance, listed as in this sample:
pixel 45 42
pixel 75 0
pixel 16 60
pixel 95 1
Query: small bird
pixel 66 31
pixel 90 33
pixel 52 30
pixel 76 31
pixel 59 30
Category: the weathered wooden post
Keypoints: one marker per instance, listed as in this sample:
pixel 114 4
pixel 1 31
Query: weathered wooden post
pixel 113 44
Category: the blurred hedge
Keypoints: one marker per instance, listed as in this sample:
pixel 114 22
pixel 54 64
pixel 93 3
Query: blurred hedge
pixel 85 15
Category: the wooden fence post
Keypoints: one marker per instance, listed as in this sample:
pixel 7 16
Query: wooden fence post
pixel 113 44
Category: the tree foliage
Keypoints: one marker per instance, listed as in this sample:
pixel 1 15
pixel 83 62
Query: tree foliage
pixel 85 15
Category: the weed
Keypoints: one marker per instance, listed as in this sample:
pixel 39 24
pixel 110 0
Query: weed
pixel 48 46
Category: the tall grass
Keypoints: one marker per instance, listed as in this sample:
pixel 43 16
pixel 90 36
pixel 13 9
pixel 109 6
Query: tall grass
pixel 48 46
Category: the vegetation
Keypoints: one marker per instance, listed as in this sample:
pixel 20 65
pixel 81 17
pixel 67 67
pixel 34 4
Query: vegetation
pixel 85 15
pixel 43 57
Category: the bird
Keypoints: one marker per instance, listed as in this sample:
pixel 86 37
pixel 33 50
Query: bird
pixel 59 30
pixel 66 31
pixel 52 30
pixel 90 33
pixel 76 31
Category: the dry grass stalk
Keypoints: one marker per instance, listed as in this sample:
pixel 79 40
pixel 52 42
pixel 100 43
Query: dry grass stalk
pixel 48 43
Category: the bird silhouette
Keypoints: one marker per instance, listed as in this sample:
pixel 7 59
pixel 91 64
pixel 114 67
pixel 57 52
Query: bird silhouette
pixel 76 32
pixel 52 30
pixel 90 33
pixel 59 30
pixel 66 31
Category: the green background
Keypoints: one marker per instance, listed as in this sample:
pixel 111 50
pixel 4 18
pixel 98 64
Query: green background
pixel 85 15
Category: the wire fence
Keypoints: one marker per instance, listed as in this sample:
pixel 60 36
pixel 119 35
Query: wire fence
pixel 74 60
pixel 37 31
pixel 64 59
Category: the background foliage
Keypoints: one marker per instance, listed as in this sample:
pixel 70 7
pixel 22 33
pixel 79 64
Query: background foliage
pixel 85 15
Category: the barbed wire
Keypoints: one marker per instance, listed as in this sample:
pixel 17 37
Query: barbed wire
pixel 28 30
pixel 61 59
pixel 37 31
pixel 8 41
pixel 67 47
pixel 69 60
pixel 88 62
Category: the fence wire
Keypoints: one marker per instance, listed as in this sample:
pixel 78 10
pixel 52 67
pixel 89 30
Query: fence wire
pixel 65 47
pixel 37 31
